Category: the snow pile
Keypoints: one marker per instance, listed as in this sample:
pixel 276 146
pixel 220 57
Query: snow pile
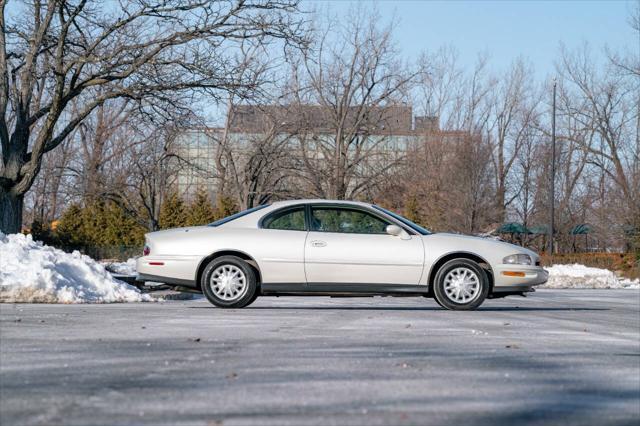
pixel 580 276
pixel 122 268
pixel 32 272
pixel 489 235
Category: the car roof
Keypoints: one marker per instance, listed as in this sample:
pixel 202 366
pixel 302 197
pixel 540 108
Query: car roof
pixel 319 201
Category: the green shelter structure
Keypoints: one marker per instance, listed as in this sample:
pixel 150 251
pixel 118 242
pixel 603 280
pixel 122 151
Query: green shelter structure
pixel 582 229
pixel 515 230
pixel 518 233
pixel 539 230
pixel 512 228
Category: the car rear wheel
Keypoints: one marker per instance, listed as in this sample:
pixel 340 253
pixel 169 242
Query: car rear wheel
pixel 461 284
pixel 229 282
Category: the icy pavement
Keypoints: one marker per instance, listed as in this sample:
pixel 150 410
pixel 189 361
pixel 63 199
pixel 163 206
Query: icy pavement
pixel 33 272
pixel 556 357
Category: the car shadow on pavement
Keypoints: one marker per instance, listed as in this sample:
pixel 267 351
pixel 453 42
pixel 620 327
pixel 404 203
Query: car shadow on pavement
pixel 404 308
pixel 518 308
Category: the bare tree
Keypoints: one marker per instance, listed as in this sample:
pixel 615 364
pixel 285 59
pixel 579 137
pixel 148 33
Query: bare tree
pixel 350 89
pixel 607 109
pixel 449 173
pixel 514 109
pixel 86 53
pixel 525 171
pixel 154 170
pixel 253 165
pixel 572 188
pixel 146 171
pixel 441 86
pixel 50 192
pixel 102 137
pixel 628 62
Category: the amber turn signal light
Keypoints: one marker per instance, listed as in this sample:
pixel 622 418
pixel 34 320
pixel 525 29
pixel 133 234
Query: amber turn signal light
pixel 513 274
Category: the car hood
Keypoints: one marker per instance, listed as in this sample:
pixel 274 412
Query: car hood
pixel 489 248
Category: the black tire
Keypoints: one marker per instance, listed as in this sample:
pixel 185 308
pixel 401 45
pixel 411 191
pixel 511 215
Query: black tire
pixel 431 296
pixel 447 301
pixel 253 299
pixel 438 302
pixel 244 297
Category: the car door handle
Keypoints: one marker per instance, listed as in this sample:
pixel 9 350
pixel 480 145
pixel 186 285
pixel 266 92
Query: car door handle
pixel 318 243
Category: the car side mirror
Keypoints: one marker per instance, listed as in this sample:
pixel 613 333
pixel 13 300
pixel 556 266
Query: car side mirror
pixel 394 230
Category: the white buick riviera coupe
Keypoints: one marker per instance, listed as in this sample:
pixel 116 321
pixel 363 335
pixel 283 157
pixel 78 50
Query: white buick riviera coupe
pixel 334 248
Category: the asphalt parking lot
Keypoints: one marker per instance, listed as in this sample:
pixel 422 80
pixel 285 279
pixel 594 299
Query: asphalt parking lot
pixel 558 356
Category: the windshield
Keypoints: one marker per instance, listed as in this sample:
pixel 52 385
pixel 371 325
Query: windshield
pixel 419 229
pixel 237 215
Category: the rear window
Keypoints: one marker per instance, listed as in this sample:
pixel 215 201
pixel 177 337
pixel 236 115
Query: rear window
pixel 237 215
pixel 286 220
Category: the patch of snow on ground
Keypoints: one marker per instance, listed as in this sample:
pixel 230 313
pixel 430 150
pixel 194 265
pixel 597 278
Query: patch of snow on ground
pixel 580 276
pixel 31 272
pixel 122 268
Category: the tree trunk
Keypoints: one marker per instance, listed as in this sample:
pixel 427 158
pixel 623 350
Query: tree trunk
pixel 501 211
pixel 10 211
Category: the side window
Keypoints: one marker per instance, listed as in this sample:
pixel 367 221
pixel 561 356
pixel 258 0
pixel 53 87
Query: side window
pixel 290 220
pixel 332 219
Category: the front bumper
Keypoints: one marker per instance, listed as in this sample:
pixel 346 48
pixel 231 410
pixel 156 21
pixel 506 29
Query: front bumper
pixel 518 277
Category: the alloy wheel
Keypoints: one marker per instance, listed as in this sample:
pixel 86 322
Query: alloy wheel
pixel 462 285
pixel 228 282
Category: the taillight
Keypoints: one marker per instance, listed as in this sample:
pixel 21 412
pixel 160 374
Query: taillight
pixel 146 251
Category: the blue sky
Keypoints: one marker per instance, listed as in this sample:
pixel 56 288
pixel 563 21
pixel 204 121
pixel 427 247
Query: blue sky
pixel 504 29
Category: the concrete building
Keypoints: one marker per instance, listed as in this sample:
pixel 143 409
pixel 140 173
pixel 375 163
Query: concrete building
pixel 390 132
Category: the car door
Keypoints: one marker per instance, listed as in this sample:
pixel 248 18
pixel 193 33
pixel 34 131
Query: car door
pixel 350 245
pixel 280 248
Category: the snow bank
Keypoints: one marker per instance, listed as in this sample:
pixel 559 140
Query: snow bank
pixel 31 272
pixel 580 276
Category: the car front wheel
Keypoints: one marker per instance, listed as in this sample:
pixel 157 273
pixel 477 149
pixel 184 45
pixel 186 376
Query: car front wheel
pixel 461 284
pixel 229 282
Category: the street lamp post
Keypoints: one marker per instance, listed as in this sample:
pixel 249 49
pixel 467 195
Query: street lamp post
pixel 553 172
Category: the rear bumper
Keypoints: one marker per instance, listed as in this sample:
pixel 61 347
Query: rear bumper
pixel 528 276
pixel 174 270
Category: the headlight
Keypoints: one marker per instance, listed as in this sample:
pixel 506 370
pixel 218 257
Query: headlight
pixel 518 259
